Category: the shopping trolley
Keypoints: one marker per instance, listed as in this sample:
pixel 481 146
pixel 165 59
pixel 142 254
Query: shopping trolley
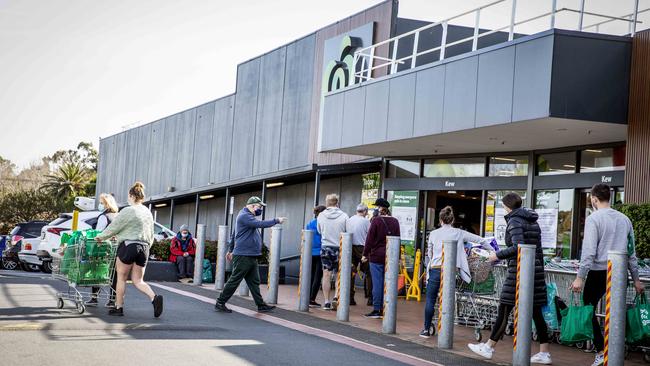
pixel 83 263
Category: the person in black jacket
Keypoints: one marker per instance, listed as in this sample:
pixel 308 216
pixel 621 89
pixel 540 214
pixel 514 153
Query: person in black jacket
pixel 522 229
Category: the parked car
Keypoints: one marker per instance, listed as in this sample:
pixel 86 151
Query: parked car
pixel 51 234
pixel 20 249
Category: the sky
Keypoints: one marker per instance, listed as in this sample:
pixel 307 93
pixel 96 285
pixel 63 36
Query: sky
pixel 80 70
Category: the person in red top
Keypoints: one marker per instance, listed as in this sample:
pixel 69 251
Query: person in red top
pixel 375 252
pixel 183 250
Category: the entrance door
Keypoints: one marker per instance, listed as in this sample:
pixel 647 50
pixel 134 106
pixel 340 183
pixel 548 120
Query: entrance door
pixel 466 205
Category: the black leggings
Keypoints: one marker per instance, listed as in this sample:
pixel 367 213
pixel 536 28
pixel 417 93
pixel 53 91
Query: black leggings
pixel 594 289
pixel 499 326
pixel 316 276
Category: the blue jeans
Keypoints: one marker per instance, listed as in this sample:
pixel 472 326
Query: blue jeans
pixel 377 273
pixel 433 286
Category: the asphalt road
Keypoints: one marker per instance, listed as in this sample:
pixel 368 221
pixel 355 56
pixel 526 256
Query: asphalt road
pixel 34 332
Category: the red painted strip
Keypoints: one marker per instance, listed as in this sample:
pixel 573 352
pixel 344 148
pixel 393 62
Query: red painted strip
pixel 351 342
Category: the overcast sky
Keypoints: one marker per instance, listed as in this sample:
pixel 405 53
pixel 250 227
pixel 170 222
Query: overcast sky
pixel 78 70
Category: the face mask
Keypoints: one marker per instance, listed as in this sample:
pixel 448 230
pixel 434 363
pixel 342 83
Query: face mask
pixel 258 211
pixel 184 235
pixel 101 207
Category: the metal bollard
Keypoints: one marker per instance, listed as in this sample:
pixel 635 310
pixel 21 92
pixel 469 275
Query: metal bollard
pixel 391 271
pixel 524 292
pixel 274 264
pixel 242 290
pixel 447 295
pixel 343 308
pixel 222 250
pixel 198 257
pixel 615 308
pixel 304 285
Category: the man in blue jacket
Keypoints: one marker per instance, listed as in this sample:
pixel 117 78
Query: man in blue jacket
pixel 243 254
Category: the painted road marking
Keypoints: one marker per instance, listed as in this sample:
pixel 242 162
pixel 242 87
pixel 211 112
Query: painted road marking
pixel 367 347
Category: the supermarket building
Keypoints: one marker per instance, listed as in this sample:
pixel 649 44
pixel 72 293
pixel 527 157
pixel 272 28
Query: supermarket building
pixel 427 114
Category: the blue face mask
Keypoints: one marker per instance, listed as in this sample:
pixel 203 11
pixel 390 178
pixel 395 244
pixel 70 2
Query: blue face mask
pixel 101 207
pixel 258 211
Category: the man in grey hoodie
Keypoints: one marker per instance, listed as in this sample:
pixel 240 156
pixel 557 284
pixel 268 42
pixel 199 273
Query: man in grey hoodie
pixel 330 225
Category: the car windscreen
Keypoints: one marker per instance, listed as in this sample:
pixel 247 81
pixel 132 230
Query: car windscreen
pixel 32 229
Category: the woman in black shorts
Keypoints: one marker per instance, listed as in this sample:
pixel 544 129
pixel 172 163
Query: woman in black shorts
pixel 133 228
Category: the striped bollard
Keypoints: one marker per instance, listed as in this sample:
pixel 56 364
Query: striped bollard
pixel 524 304
pixel 198 257
pixel 304 285
pixel 615 308
pixel 447 308
pixel 344 278
pixel 274 264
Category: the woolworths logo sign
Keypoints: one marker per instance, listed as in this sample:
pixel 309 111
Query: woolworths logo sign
pixel 339 73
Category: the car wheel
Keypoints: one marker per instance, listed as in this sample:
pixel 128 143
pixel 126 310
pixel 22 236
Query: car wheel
pixel 46 267
pixel 9 264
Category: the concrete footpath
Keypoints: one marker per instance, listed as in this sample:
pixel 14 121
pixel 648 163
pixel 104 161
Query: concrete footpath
pixel 34 332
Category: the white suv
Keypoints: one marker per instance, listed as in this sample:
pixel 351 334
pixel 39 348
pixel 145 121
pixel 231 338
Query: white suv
pixel 51 234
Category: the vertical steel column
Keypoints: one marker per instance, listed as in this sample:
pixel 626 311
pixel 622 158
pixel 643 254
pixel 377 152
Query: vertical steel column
pixel 171 215
pixel 198 257
pixel 416 40
pixel 511 33
pixel 443 40
pixel 524 304
pixel 448 295
pixel 343 308
pixel 371 62
pixel 304 285
pixel 476 29
pixel 615 308
pixel 263 208
pixel 316 188
pixel 196 213
pixel 393 66
pixel 274 264
pixel 553 11
pixel 634 19
pixel 222 250
pixel 391 272
pixel 582 14
pixel 226 209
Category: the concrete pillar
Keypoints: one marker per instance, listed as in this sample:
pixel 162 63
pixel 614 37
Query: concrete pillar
pixel 448 295
pixel 524 304
pixel 198 257
pixel 274 264
pixel 391 272
pixel 345 276
pixel 222 250
pixel 304 285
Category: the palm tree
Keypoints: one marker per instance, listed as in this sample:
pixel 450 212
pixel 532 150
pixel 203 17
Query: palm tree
pixel 67 181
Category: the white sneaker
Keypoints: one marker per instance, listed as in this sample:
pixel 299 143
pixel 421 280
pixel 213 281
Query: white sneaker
pixel 543 358
pixel 482 349
pixel 599 360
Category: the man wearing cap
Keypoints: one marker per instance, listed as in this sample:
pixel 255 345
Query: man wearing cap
pixel 358 225
pixel 375 252
pixel 243 253
pixel 183 249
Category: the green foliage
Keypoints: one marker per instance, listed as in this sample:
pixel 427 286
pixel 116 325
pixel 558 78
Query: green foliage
pixel 68 181
pixel 640 217
pixel 160 249
pixel 19 206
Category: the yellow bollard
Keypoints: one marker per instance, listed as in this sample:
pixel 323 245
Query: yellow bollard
pixel 414 291
pixel 75 220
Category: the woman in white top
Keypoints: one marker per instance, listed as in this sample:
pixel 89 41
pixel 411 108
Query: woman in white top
pixel 434 252
pixel 108 208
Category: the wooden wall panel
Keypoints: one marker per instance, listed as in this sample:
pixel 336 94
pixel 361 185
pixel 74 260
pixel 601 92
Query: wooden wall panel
pixel 637 165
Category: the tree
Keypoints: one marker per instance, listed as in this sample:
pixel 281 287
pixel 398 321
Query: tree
pixel 69 180
pixel 26 205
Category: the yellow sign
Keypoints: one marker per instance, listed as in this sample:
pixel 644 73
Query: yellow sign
pixel 489 226
pixel 489 210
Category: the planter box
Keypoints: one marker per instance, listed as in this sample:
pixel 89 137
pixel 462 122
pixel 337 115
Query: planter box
pixel 264 274
pixel 161 271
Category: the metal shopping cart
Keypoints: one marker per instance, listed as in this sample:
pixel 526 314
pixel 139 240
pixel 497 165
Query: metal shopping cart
pixel 84 263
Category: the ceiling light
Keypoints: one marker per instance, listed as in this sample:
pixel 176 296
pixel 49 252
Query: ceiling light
pixel 276 184
pixel 594 151
pixel 568 166
pixel 451 192
pixel 160 205
pixel 504 159
pixel 206 197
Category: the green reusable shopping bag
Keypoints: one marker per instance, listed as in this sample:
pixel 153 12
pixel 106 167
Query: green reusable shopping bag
pixel 638 320
pixel 576 323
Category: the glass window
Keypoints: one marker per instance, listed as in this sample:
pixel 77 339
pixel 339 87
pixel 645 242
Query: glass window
pixel 555 210
pixel 454 167
pixel 495 222
pixel 508 166
pixel 619 198
pixel 403 169
pixel 560 163
pixel 598 160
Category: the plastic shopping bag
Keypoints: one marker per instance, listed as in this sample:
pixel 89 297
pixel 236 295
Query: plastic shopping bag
pixel 207 271
pixel 638 320
pixel 549 311
pixel 576 323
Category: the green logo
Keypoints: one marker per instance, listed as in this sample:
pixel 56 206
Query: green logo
pixel 340 73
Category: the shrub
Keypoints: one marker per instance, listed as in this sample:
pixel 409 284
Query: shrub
pixel 160 250
pixel 640 217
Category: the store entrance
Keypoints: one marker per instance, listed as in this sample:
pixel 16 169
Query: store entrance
pixel 466 205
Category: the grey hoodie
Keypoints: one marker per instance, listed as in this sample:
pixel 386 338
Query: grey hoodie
pixel 330 224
